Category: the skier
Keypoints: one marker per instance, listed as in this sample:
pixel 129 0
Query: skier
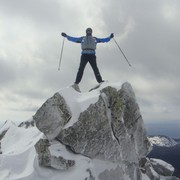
pixel 88 54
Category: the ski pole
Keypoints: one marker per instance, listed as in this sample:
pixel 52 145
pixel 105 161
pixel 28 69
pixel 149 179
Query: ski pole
pixel 61 54
pixel 122 52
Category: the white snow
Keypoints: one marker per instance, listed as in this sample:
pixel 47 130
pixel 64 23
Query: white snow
pixel 83 99
pixel 6 126
pixel 162 141
pixel 73 98
pixel 18 140
pixel 19 160
pixel 18 151
pixel 162 163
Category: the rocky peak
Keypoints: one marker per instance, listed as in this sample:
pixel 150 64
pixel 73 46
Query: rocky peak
pixel 104 125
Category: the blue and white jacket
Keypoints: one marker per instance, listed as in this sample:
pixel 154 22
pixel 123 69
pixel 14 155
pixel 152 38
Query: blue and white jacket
pixel 88 43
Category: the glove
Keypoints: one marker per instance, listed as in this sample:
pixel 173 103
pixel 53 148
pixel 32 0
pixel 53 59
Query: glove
pixel 63 34
pixel 112 35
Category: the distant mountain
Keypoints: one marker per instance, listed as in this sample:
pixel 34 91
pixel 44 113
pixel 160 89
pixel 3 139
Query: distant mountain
pixel 167 149
pixel 163 141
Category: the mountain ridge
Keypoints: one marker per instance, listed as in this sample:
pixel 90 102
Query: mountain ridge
pixel 169 152
pixel 162 141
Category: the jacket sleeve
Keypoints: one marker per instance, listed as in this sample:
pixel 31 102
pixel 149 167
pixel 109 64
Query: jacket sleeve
pixel 74 39
pixel 103 40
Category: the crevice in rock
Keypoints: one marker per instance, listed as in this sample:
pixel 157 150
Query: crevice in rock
pixel 108 111
pixel 70 148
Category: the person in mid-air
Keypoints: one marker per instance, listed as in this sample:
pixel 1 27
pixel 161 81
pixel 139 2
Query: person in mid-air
pixel 88 45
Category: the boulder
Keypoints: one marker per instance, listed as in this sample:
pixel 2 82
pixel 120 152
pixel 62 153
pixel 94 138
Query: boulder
pixel 52 116
pixel 162 167
pixel 48 160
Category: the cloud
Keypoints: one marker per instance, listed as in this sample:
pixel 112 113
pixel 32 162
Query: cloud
pixel 30 41
pixel 7 73
pixel 41 12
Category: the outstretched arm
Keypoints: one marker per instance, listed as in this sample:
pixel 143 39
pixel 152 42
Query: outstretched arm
pixel 103 40
pixel 73 39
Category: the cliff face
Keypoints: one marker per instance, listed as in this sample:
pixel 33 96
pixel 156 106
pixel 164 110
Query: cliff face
pixel 104 127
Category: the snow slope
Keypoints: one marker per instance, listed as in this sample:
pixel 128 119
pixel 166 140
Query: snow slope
pixel 19 160
pixel 18 153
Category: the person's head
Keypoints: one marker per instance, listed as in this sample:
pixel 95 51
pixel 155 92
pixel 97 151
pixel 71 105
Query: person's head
pixel 89 32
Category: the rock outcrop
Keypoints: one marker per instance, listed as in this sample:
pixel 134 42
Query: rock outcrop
pixel 52 116
pixel 104 126
pixel 47 159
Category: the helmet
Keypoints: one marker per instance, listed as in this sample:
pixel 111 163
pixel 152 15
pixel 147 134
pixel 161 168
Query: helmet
pixel 88 31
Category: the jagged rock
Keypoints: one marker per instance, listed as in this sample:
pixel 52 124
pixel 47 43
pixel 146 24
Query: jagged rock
pixel 162 167
pixel 27 124
pixel 92 135
pixel 111 129
pixel 52 116
pixel 5 128
pixel 2 134
pixel 147 169
pixel 115 174
pixel 104 126
pixel 43 152
pixel 46 159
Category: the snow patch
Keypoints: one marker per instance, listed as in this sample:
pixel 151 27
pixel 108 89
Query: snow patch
pixel 162 141
pixel 18 151
pixel 13 143
pixel 84 99
pixel 162 163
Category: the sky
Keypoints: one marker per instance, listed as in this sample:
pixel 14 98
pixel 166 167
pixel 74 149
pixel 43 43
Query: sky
pixel 30 45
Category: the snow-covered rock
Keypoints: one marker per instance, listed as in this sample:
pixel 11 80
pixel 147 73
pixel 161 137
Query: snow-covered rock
pixel 107 123
pixel 28 123
pixel 46 158
pixel 162 141
pixel 162 167
pixel 4 129
pixel 98 135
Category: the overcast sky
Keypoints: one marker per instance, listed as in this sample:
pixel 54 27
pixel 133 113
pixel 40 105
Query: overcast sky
pixel 148 31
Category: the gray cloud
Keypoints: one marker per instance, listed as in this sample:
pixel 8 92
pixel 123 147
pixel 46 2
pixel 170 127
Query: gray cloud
pixel 7 73
pixel 40 12
pixel 30 40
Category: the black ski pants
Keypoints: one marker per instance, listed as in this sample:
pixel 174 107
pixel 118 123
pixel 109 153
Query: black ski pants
pixel 85 58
